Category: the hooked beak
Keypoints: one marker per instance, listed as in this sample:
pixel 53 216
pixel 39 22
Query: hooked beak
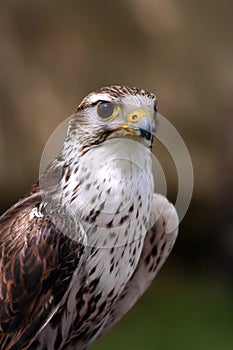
pixel 142 127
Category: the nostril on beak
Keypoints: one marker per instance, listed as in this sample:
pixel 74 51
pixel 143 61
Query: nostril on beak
pixel 134 117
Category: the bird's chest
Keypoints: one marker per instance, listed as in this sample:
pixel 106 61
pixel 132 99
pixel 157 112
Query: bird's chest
pixel 111 194
pixel 113 205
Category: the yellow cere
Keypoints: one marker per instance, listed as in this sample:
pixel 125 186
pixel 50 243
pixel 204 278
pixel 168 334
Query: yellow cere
pixel 137 115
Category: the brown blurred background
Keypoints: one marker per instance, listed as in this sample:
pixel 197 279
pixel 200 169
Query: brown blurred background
pixel 54 52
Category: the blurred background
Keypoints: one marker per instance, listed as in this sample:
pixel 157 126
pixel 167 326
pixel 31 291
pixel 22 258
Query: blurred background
pixel 52 53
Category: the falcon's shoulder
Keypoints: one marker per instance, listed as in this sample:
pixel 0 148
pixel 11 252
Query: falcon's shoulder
pixel 157 246
pixel 37 262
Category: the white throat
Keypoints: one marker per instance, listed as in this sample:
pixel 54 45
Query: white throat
pixel 115 191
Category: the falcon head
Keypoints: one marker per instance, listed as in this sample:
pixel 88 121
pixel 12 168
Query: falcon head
pixel 114 112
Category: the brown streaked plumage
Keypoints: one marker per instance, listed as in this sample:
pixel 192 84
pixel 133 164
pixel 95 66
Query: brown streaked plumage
pixel 36 266
pixel 80 249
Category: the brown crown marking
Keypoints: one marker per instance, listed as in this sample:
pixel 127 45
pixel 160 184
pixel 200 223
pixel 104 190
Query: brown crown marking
pixel 116 91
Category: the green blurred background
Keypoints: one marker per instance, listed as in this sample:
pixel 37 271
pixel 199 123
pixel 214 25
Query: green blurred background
pixel 54 52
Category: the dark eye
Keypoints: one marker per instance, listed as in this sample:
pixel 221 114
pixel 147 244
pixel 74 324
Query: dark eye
pixel 105 109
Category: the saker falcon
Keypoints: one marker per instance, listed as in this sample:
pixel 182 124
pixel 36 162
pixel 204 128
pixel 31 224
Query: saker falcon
pixel 79 250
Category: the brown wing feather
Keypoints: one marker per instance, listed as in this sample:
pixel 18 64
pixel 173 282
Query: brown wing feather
pixel 36 266
pixel 157 246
